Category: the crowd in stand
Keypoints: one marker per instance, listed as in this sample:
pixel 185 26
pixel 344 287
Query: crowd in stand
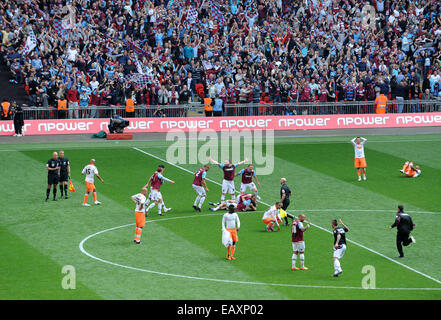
pixel 257 51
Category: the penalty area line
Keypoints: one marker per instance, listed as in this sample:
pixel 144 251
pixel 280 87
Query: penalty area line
pixel 317 226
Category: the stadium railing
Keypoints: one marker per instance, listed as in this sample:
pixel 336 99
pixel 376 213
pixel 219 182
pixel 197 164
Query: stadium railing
pixel 235 110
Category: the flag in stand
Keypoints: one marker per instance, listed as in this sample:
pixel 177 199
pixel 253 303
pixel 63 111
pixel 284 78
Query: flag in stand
pixel 31 43
pixel 138 64
pixel 140 80
pixel 192 16
pixel 216 13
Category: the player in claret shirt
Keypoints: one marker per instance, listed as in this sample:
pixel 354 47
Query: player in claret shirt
pixel 156 181
pixel 228 183
pixel 198 185
pixel 247 180
pixel 298 244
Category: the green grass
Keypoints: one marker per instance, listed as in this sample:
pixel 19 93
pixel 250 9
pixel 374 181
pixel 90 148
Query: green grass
pixel 182 256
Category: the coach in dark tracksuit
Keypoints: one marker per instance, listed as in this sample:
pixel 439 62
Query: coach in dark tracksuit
pixel 404 225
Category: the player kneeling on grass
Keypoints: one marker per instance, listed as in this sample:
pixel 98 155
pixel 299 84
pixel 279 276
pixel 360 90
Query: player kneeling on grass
pixel 271 217
pixel 339 245
pixel 410 170
pixel 139 199
pixel 231 223
pixel 298 244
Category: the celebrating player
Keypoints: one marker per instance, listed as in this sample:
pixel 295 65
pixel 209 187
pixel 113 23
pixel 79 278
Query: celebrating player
pixel 271 217
pixel 410 170
pixel 247 180
pixel 247 202
pixel 139 199
pixel 198 185
pixel 231 223
pixel 360 161
pixel 228 182
pixel 339 245
pixel 298 244
pixel 91 171
pixel 64 173
pixel 53 170
pixel 156 180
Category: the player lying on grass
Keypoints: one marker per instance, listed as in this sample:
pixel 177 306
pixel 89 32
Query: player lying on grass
pixel 410 170
pixel 247 202
pixel 272 217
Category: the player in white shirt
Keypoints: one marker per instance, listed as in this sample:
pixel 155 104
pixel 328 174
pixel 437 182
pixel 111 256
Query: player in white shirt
pixel 272 216
pixel 360 160
pixel 139 199
pixel 231 223
pixel 91 171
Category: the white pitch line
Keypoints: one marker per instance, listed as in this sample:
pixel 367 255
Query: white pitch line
pixel 81 246
pixel 317 226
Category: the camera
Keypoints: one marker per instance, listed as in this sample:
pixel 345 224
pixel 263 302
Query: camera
pixel 117 124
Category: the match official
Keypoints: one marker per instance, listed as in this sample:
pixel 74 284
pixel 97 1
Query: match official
pixel 285 192
pixel 404 225
pixel 53 171
pixel 64 173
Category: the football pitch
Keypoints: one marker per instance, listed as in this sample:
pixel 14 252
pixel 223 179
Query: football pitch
pixel 182 256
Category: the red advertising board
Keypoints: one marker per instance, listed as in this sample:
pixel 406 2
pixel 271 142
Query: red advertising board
pixel 340 121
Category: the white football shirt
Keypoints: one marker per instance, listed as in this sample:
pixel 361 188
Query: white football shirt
pixel 271 212
pixel 359 148
pixel 140 200
pixel 229 221
pixel 90 171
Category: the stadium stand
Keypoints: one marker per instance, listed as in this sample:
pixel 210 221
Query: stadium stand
pixel 168 52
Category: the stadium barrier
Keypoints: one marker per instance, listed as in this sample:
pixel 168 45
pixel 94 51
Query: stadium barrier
pixel 303 122
pixel 235 110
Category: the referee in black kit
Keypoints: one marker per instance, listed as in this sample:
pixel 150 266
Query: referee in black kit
pixel 285 192
pixel 404 225
pixel 53 171
pixel 64 173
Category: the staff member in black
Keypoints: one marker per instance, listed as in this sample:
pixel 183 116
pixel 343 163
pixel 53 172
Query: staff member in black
pixel 404 225
pixel 285 192
pixel 64 173
pixel 18 119
pixel 53 171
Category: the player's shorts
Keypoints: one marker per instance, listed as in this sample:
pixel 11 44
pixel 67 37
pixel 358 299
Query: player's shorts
pixel 52 179
pixel 155 195
pixel 199 190
pixel 90 187
pixel 285 204
pixel 339 253
pixel 64 176
pixel 241 207
pixel 298 246
pixel 244 187
pixel 417 173
pixel 228 187
pixel 233 233
pixel 140 219
pixel 360 163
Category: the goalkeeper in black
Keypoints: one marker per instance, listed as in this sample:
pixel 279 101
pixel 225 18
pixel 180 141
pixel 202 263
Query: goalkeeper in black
pixel 404 225
pixel 64 173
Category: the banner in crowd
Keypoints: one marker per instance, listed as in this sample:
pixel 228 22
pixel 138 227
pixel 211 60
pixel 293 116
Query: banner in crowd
pixel 304 122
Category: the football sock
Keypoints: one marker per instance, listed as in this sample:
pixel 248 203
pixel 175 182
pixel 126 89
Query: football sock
pixel 228 251
pixel 138 232
pixel 233 248
pixel 336 265
pixel 48 192
pixel 364 170
pixel 286 220
pixel 151 206
pixel 94 197
pixel 65 189
pixel 294 260
pixel 159 208
pixel 61 189
pixel 163 203
pixel 233 197
pixel 302 260
pixel 85 198
pixel 201 202
pixel 55 192
pixel 196 200
pixel 358 172
pixel 290 216
pixel 222 198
